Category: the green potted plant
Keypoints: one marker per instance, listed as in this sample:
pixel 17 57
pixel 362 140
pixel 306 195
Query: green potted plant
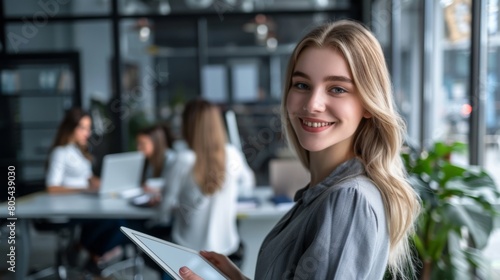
pixel 457 216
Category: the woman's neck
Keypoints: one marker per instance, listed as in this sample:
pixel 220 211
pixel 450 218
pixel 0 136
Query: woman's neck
pixel 322 163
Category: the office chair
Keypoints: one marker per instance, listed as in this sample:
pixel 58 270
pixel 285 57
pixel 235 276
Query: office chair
pixel 64 259
pixel 66 235
pixel 132 267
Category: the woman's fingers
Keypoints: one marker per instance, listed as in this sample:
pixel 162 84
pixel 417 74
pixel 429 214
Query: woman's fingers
pixel 187 274
pixel 223 264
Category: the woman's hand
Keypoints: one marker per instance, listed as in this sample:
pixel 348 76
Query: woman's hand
pixel 94 183
pixel 218 260
pixel 154 200
pixel 188 274
pixel 155 195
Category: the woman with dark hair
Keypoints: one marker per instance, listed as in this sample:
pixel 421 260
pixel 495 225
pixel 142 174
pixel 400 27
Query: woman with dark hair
pixel 152 143
pixel 69 167
pixel 69 170
pixel 159 177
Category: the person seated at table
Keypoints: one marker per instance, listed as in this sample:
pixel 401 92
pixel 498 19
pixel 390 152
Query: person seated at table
pixel 159 178
pixel 69 170
pixel 211 172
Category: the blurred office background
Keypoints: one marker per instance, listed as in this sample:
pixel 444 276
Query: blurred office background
pixel 56 54
pixel 136 62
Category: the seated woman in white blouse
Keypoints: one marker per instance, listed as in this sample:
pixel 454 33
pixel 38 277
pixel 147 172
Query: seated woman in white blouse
pixel 69 166
pixel 69 170
pixel 210 172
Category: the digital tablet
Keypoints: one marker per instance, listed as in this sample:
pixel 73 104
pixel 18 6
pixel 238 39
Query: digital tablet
pixel 171 257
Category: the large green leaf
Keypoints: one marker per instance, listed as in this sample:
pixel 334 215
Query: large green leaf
pixel 440 149
pixel 478 223
pixel 467 259
pixel 479 262
pixel 460 267
pixel 450 171
pixel 422 166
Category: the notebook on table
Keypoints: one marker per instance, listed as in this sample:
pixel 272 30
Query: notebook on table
pixel 171 257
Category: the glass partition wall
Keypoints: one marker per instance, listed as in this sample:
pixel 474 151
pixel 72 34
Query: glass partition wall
pixel 431 55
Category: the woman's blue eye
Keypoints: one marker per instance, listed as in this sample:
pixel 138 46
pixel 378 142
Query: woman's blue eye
pixel 301 86
pixel 338 90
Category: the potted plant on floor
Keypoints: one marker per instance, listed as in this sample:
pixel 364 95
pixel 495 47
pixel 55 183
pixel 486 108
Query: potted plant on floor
pixel 458 209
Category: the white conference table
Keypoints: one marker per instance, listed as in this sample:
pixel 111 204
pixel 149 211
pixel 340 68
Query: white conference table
pixel 87 206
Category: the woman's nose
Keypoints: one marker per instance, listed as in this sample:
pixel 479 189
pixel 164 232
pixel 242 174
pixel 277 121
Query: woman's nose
pixel 315 102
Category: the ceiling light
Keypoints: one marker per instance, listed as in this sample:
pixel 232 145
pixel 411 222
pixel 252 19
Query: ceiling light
pixel 144 33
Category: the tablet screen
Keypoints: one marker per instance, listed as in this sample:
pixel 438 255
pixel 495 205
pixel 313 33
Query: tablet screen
pixel 175 257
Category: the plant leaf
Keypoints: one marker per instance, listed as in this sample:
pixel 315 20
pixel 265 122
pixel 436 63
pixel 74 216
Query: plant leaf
pixel 459 264
pixel 478 223
pixel 450 171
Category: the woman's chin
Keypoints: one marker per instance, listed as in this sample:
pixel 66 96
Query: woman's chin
pixel 312 147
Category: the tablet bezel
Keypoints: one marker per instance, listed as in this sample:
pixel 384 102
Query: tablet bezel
pixel 130 233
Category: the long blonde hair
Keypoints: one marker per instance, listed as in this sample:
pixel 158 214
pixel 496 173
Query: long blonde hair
pixel 203 130
pixel 378 140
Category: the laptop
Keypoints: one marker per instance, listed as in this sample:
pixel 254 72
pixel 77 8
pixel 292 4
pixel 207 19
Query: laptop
pixel 121 174
pixel 171 257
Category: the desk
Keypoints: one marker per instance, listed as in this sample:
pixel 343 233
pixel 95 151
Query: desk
pixel 44 205
pixel 255 224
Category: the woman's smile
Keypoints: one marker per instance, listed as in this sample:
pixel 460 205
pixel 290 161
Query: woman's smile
pixel 315 125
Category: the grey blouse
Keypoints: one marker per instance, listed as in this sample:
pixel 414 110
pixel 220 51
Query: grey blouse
pixel 336 230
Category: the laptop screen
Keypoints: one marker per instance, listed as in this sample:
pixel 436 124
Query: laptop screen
pixel 121 172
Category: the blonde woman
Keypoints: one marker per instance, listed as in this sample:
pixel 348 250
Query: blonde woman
pixel 211 172
pixel 352 221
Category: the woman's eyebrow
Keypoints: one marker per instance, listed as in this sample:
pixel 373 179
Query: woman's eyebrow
pixel 300 74
pixel 333 78
pixel 338 79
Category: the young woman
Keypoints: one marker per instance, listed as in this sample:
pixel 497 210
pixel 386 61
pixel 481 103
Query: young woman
pixel 355 216
pixel 160 165
pixel 211 172
pixel 69 165
pixel 152 143
pixel 69 170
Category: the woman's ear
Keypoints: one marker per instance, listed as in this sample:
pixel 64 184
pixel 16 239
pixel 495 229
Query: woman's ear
pixel 367 115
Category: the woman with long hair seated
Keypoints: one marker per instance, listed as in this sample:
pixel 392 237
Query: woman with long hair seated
pixel 211 172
